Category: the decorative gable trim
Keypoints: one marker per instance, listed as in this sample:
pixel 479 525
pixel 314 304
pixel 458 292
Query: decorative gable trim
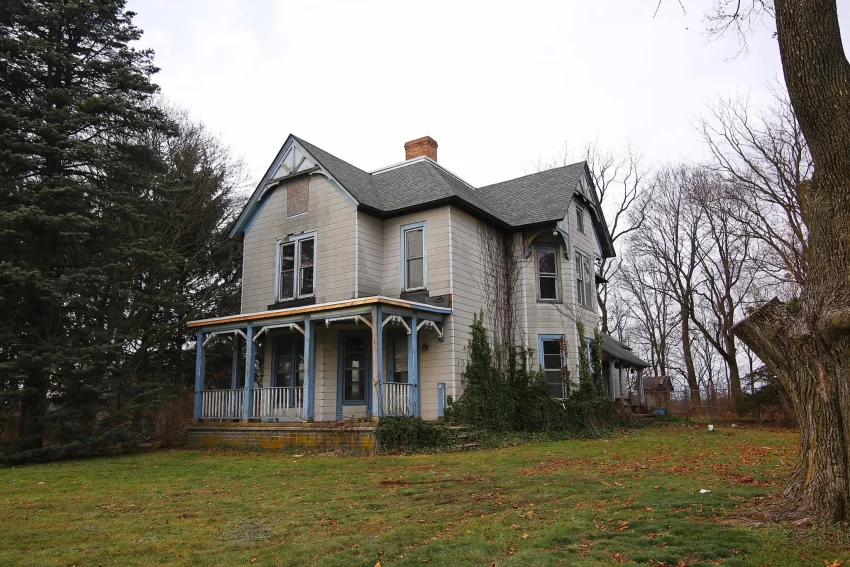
pixel 291 162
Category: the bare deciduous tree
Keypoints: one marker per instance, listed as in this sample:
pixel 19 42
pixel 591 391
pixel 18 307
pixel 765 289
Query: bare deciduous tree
pixel 620 180
pixel 670 237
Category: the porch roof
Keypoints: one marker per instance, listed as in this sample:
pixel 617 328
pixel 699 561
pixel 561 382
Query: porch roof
pixel 318 308
pixel 616 349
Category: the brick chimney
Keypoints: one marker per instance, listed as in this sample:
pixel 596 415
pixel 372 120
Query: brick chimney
pixel 421 147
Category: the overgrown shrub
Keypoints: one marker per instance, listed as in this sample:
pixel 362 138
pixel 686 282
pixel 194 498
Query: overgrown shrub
pixel 517 399
pixel 397 434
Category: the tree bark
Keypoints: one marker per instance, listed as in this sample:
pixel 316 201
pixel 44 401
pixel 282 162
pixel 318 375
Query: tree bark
pixel 807 342
pixel 690 371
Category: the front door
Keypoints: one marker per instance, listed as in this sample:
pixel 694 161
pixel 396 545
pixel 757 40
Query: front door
pixel 288 367
pixel 397 358
pixel 354 373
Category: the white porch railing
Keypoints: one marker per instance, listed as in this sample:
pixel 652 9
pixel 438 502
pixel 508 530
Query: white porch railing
pixel 397 399
pixel 278 402
pixel 222 404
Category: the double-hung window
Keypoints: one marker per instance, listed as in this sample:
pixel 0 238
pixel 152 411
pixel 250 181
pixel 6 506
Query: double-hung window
pixel 414 269
pixel 553 361
pixel 296 267
pixel 547 273
pixel 580 219
pixel 584 280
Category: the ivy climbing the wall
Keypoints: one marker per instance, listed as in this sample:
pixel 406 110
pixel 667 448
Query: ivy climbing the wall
pixel 516 399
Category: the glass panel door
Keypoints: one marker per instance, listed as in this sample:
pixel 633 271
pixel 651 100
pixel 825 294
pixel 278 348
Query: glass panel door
pixel 354 369
pixel 397 372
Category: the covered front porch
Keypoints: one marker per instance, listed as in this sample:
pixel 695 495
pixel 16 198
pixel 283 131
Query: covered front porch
pixel 326 362
pixel 625 371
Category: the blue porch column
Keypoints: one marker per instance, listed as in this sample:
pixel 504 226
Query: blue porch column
pixel 309 396
pixel 200 369
pixel 250 361
pixel 377 361
pixel 234 368
pixel 413 365
pixel 621 379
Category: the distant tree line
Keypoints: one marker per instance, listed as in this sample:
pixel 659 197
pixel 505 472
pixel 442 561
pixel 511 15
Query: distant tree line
pixel 114 211
pixel 701 244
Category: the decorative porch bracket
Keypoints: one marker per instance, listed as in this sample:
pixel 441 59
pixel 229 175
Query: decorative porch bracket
pixel 396 319
pixel 355 318
pixel 290 326
pixel 428 324
pixel 214 334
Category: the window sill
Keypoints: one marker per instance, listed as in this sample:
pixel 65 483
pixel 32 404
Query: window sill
pixel 345 404
pixel 292 303
pixel 549 300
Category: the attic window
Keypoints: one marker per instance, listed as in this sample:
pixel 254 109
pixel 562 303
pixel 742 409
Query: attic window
pixel 297 196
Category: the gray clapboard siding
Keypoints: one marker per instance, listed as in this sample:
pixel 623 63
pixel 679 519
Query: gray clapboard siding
pixel 370 237
pixel 437 238
pixel 331 215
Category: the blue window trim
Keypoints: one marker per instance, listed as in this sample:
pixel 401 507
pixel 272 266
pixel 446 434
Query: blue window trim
pixel 540 339
pixel 341 374
pixel 403 254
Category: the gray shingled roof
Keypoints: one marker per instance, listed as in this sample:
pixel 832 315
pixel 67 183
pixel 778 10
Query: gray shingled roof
pixel 538 198
pixel 618 350
pixel 534 198
pixel 545 196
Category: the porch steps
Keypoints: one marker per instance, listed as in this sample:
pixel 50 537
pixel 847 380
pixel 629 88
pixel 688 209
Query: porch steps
pixel 465 437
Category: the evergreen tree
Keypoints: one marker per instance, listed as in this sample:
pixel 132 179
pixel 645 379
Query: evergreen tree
pixel 107 237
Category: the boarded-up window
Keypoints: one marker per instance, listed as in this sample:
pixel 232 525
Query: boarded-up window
pixel 296 198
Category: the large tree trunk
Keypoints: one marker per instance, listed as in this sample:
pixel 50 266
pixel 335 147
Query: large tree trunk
pixel 732 364
pixel 815 374
pixel 690 371
pixel 807 342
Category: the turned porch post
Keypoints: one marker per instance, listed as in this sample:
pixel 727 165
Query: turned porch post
pixel 621 379
pixel 234 368
pixel 308 400
pixel 200 369
pixel 413 365
pixel 250 356
pixel 377 361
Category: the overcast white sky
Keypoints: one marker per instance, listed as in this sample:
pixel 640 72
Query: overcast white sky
pixel 499 85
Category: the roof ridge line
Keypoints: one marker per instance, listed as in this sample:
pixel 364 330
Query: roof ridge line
pixel 535 173
pixel 421 159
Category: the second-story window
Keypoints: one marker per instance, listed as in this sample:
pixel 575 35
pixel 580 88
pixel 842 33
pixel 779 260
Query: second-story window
pixel 297 268
pixel 580 219
pixel 413 258
pixel 584 280
pixel 547 273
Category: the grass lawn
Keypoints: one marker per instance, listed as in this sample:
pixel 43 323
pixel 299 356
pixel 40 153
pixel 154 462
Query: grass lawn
pixel 631 499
